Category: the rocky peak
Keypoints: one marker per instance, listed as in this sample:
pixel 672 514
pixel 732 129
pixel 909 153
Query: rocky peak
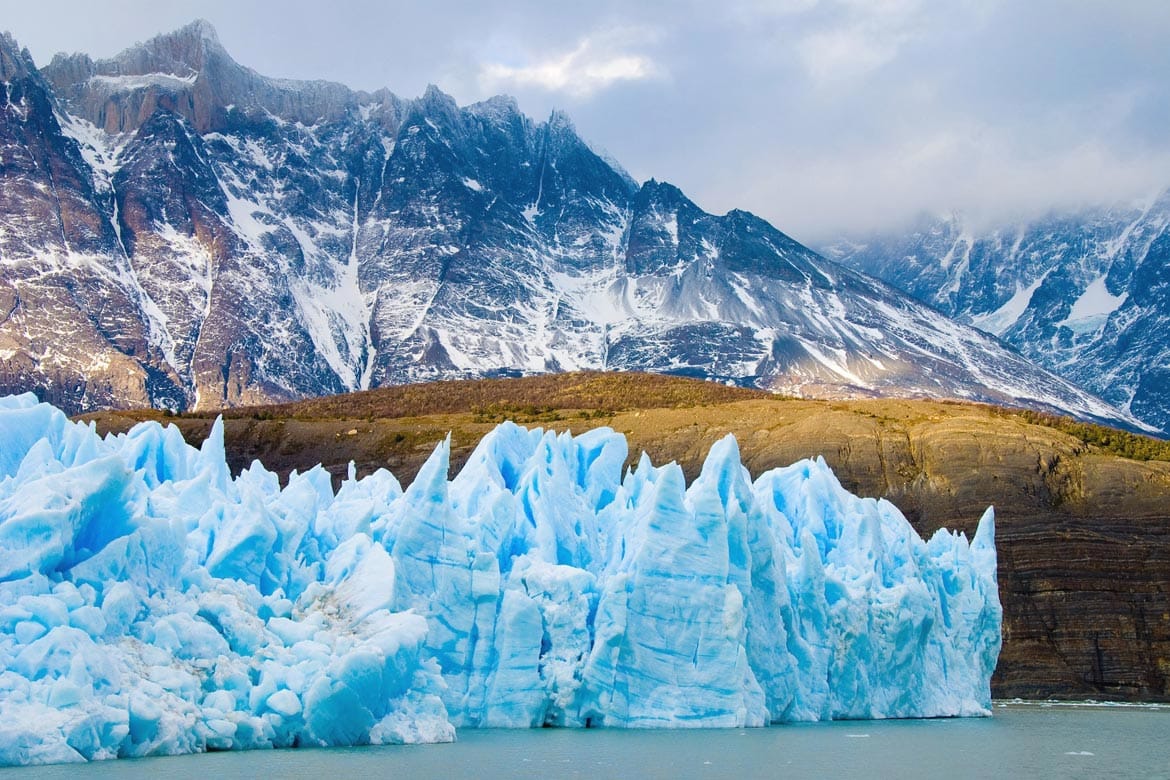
pixel 437 109
pixel 69 69
pixel 184 52
pixel 189 72
pixel 561 138
pixel 560 122
pixel 661 194
pixel 660 229
pixel 500 109
pixel 30 122
pixel 435 100
pixel 202 28
pixel 15 63
pixel 753 244
pixel 186 71
pixel 384 107
pixel 576 163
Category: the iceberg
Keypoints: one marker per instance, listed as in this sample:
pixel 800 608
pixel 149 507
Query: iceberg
pixel 151 603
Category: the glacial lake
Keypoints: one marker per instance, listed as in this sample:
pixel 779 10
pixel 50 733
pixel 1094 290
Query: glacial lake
pixel 1019 741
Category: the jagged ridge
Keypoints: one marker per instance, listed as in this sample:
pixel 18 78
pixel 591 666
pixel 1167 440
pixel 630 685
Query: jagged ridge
pixel 248 239
pixel 1084 294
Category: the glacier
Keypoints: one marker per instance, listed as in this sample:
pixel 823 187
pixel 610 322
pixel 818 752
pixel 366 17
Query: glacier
pixel 151 603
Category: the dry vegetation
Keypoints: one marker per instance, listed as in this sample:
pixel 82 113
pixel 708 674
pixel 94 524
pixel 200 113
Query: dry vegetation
pixel 1123 443
pixel 878 446
pixel 528 397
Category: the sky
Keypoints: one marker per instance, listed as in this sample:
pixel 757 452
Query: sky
pixel 825 117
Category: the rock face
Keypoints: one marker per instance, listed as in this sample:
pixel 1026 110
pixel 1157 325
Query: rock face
pixel 72 328
pixel 1083 537
pixel 1086 295
pixel 186 233
pixel 188 73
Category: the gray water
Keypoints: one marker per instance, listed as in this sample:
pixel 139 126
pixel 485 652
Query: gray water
pixel 1018 741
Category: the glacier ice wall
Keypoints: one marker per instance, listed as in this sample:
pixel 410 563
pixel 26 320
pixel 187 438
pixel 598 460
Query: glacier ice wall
pixel 152 604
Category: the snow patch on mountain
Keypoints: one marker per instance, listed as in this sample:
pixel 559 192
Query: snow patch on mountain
pixel 1092 309
pixel 999 321
pixel 113 84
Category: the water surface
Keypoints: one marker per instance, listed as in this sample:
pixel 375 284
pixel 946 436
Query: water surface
pixel 1019 741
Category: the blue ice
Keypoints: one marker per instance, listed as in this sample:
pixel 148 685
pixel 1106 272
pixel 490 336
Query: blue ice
pixel 150 603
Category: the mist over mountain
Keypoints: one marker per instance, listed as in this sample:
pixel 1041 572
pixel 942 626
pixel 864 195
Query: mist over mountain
pixel 180 231
pixel 1084 293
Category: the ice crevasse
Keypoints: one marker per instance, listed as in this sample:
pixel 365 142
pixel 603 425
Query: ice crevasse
pixel 150 603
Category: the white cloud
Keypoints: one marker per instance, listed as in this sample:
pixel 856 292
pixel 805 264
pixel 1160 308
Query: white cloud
pixel 979 172
pixel 846 53
pixel 843 40
pixel 597 62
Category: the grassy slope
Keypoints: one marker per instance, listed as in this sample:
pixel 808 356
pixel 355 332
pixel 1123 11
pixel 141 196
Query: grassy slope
pixel 672 418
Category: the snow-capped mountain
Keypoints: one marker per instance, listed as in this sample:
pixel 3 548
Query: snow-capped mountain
pixel 1085 294
pixel 180 231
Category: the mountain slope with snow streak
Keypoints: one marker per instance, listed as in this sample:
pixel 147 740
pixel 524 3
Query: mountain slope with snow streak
pixel 226 238
pixel 1084 294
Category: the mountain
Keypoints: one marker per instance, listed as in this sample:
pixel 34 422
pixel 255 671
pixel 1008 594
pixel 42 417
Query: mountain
pixel 1085 294
pixel 180 231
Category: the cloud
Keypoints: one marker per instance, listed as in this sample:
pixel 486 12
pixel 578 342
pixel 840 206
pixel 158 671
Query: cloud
pixel 981 173
pixel 825 116
pixel 844 40
pixel 845 54
pixel 594 64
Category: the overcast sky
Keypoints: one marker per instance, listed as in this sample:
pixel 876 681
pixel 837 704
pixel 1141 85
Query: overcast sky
pixel 823 116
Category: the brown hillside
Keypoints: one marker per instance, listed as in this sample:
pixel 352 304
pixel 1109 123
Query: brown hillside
pixel 1083 533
